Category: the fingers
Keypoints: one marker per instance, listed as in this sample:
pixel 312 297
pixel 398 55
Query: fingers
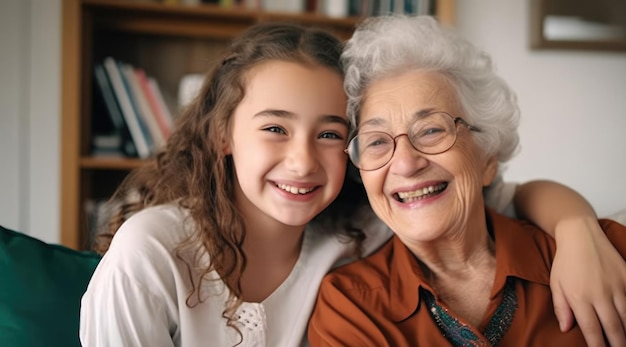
pixel 589 325
pixel 620 306
pixel 562 309
pixel 612 325
pixel 615 325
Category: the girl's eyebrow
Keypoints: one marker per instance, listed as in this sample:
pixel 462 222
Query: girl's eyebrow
pixel 336 119
pixel 291 115
pixel 274 113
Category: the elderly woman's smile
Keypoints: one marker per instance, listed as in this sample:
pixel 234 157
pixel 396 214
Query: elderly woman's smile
pixel 404 117
pixel 421 193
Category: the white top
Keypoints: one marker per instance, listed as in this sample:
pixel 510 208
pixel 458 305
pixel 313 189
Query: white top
pixel 138 293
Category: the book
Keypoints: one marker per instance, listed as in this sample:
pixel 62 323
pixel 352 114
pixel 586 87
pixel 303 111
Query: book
pixel 108 120
pixel 130 85
pixel 144 111
pixel 123 97
pixel 161 113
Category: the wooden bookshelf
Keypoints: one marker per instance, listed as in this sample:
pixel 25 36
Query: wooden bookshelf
pixel 168 42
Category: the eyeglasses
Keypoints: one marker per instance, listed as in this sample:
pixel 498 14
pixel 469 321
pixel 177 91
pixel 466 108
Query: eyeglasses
pixel 433 133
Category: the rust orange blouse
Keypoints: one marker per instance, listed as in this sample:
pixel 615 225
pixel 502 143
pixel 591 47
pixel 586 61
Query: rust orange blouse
pixel 382 300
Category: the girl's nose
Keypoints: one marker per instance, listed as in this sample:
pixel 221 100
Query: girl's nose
pixel 302 159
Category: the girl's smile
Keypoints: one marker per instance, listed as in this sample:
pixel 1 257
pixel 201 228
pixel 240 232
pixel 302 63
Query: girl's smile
pixel 288 136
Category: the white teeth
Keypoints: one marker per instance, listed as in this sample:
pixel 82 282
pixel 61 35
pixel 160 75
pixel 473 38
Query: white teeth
pixel 420 192
pixel 294 190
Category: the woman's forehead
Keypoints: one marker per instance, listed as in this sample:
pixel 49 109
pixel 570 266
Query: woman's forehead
pixel 407 94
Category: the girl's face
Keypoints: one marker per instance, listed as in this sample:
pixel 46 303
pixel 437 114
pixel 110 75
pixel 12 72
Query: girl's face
pixel 288 136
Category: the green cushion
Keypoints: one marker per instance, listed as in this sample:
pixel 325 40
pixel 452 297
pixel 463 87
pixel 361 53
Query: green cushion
pixel 40 290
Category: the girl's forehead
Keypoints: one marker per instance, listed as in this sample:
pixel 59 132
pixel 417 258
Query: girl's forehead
pixel 281 88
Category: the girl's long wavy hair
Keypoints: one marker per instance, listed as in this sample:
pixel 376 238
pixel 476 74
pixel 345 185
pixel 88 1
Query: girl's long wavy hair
pixel 193 172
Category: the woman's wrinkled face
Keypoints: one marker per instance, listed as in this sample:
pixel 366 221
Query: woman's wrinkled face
pixel 288 136
pixel 422 197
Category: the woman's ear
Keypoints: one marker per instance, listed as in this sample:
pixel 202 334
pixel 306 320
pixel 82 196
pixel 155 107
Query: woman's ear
pixel 490 171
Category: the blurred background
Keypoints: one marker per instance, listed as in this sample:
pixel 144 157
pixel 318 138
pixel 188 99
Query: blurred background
pixel 573 103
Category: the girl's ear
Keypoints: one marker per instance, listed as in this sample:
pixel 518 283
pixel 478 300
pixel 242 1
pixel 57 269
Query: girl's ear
pixel 226 147
pixel 491 170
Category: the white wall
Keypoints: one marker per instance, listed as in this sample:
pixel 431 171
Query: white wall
pixel 30 37
pixel 573 103
pixel 573 109
pixel 13 110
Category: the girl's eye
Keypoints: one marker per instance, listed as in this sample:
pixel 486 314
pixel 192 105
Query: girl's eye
pixel 331 135
pixel 275 129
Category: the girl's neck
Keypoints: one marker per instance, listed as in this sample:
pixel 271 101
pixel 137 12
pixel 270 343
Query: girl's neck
pixel 272 242
pixel 271 251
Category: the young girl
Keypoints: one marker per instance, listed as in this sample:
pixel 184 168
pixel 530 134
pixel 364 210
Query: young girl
pixel 224 237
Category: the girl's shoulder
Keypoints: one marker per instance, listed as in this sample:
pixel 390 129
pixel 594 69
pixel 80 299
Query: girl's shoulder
pixel 162 226
pixel 376 231
pixel 340 247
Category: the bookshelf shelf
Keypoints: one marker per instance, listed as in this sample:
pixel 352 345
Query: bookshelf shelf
pixel 104 163
pixel 168 42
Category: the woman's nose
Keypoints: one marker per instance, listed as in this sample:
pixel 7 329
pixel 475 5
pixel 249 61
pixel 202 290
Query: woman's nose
pixel 406 160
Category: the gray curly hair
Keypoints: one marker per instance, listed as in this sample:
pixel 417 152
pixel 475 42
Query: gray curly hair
pixel 385 45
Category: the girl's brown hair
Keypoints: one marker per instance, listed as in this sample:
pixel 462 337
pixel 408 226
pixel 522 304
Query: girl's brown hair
pixel 193 172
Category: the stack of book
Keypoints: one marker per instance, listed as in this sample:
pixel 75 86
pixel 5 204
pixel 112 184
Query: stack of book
pixel 331 8
pixel 131 117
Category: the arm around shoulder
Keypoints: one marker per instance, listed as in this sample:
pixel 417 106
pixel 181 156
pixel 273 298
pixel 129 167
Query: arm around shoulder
pixel 591 293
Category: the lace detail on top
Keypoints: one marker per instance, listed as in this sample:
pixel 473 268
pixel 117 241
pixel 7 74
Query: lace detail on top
pixel 251 317
pixel 251 321
pixel 460 334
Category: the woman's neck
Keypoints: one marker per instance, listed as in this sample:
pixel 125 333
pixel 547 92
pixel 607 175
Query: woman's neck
pixel 462 271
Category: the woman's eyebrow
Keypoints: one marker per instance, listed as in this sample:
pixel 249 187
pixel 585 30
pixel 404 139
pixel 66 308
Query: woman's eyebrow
pixel 376 121
pixel 380 121
pixel 423 113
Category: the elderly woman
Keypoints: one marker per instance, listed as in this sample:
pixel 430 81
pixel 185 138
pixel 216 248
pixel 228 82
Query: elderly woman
pixel 434 125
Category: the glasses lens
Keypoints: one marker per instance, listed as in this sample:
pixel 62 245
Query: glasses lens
pixel 434 133
pixel 371 150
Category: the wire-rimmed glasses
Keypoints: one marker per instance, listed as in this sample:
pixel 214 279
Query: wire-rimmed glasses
pixel 432 133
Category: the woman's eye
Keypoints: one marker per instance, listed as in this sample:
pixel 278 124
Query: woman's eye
pixel 378 141
pixel 431 131
pixel 275 129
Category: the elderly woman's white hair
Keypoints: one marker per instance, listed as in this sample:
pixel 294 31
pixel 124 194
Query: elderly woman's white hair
pixel 386 45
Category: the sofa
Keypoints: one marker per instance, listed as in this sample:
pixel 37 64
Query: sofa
pixel 40 290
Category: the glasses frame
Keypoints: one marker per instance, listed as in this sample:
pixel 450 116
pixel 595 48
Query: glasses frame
pixel 456 120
